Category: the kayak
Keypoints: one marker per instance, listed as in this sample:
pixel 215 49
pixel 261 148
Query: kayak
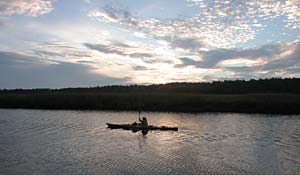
pixel 140 127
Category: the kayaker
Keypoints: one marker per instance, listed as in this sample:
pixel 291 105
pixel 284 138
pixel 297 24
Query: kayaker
pixel 144 121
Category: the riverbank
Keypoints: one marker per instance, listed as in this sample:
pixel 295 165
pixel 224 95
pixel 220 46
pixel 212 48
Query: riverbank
pixel 175 102
pixel 274 96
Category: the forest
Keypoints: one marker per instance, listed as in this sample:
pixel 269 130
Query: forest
pixel 274 96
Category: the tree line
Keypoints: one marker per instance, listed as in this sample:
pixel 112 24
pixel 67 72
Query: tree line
pixel 276 96
pixel 273 85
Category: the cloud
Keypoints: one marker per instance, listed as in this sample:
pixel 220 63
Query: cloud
pixel 120 49
pixel 208 40
pixel 21 71
pixel 141 68
pixel 12 57
pixel 111 14
pixel 211 58
pixel 242 62
pixel 55 50
pixel 200 28
pixel 253 12
pixel 217 24
pixel 59 53
pixel 140 55
pixel 286 60
pixel 192 44
pixel 157 60
pixel 189 62
pixel 26 7
pixel 270 60
pixel 104 48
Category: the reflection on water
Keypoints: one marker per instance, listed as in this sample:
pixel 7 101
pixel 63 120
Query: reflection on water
pixel 78 142
pixel 144 131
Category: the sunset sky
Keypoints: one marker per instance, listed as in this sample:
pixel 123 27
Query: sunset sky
pixel 82 43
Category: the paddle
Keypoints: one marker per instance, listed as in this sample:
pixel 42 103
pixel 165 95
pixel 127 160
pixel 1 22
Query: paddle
pixel 139 115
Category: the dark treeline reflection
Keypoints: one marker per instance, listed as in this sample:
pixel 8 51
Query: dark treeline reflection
pixel 254 96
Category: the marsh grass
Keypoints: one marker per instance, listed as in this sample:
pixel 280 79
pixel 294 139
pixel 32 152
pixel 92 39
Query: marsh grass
pixel 280 96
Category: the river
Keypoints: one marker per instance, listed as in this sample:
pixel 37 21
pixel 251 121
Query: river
pixel 78 142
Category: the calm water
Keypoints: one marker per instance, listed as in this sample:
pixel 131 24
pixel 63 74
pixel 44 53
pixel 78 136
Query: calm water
pixel 78 142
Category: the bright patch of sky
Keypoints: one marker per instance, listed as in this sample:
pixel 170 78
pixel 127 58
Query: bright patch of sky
pixel 144 42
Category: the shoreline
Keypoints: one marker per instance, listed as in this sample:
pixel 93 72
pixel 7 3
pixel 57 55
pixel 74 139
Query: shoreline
pixel 157 111
pixel 287 104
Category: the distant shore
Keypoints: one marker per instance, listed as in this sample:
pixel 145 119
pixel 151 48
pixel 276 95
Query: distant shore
pixel 250 103
pixel 271 96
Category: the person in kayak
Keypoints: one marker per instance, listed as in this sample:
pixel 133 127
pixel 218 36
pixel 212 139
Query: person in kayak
pixel 144 121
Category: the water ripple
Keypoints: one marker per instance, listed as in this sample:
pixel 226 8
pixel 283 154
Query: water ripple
pixel 77 142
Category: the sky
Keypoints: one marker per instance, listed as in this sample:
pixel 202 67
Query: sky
pixel 85 43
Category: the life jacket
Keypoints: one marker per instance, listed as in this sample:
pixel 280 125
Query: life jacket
pixel 145 122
